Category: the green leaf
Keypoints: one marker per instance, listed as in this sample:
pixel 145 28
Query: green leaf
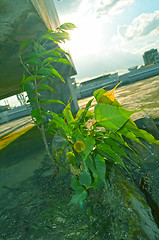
pixel 25 43
pixel 129 134
pixel 67 26
pixel 90 164
pixel 111 117
pixel 68 114
pixel 101 167
pixel 80 192
pixel 36 116
pixel 140 132
pixel 98 94
pixel 105 150
pixel 32 55
pixel 58 60
pixel 58 119
pixel 76 185
pixel 35 61
pixel 79 197
pixel 48 60
pixel 44 71
pixel 116 147
pixel 85 178
pixel 97 183
pixel 62 60
pixel 55 73
pixel 62 52
pixel 53 53
pixel 28 87
pixel 31 100
pixel 89 143
pixel 50 36
pixel 28 79
pixel 84 114
pixel 43 101
pixel 96 179
pixel 118 138
pixel 71 158
pixel 45 86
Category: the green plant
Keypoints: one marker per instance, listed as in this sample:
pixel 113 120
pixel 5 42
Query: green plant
pixel 41 60
pixel 96 141
pixel 94 138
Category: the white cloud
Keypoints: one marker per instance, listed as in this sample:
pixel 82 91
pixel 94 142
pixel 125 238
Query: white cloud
pixel 141 47
pixel 113 7
pixel 143 25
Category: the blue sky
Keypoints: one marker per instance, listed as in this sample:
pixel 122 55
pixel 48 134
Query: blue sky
pixel 111 35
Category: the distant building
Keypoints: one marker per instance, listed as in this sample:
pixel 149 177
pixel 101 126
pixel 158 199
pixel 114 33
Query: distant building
pixel 151 57
pixel 132 68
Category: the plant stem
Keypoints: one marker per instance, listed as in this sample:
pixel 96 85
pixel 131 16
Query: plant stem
pixel 42 130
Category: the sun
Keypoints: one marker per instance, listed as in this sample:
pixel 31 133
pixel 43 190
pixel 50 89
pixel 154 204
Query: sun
pixel 84 39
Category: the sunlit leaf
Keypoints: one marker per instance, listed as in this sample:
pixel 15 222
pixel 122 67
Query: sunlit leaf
pixel 111 117
pixel 68 114
pixel 55 73
pixel 62 60
pixel 140 132
pixel 98 94
pixel 67 26
pixel 50 101
pixel 53 53
pixel 84 114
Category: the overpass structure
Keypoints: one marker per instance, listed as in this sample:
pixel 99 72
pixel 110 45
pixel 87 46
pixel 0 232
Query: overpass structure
pixel 23 20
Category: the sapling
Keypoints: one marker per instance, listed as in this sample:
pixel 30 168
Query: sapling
pixel 94 138
pixel 40 60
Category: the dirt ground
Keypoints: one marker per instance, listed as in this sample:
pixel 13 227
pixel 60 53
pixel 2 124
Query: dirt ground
pixel 34 206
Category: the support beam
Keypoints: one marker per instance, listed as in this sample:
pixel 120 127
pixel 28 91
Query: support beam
pixel 23 20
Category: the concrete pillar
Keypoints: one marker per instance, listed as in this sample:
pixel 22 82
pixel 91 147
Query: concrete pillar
pixel 22 20
pixel 63 92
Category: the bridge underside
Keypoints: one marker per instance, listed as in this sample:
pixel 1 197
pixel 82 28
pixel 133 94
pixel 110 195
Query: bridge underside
pixel 19 22
pixel 22 20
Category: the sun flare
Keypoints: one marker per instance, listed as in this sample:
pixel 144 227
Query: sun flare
pixel 84 39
